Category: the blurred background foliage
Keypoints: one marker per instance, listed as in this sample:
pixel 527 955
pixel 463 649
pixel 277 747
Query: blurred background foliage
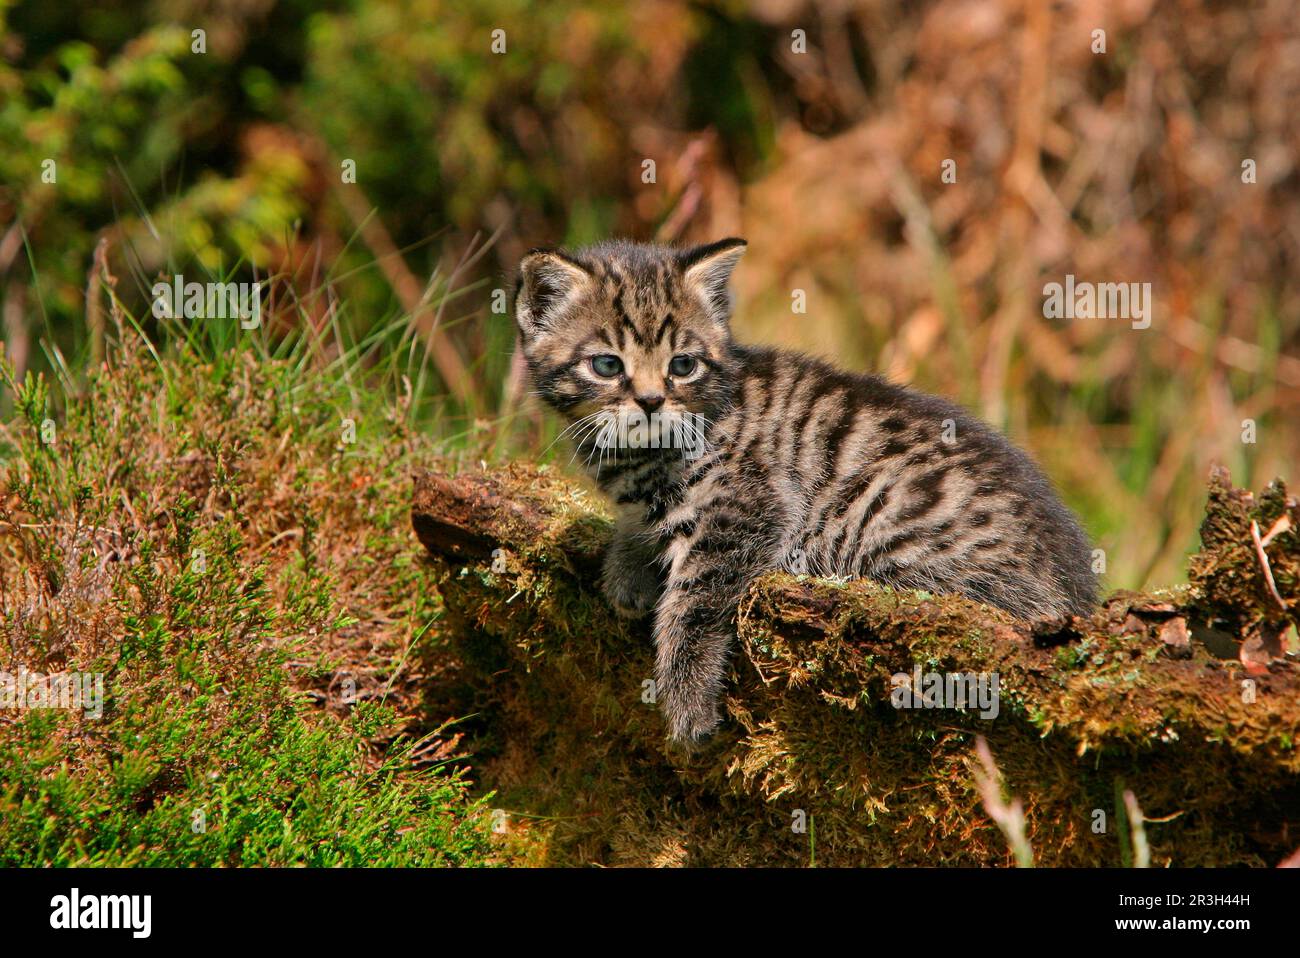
pixel 222 155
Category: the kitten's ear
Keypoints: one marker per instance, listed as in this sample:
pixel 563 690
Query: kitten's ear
pixel 548 278
pixel 707 269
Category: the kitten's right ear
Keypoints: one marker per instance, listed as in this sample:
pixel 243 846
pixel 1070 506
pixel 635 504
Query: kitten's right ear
pixel 548 279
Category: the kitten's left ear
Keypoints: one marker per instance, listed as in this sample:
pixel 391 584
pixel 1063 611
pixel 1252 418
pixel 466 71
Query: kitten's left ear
pixel 708 270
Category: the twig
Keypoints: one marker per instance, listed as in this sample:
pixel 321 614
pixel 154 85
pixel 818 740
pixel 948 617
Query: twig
pixel 97 274
pixel 1138 833
pixel 1263 561
pixel 1282 525
pixel 1009 817
pixel 455 374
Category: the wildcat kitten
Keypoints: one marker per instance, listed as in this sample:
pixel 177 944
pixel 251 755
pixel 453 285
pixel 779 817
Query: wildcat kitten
pixel 727 461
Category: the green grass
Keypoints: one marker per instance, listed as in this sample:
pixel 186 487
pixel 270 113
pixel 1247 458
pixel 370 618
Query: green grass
pixel 202 534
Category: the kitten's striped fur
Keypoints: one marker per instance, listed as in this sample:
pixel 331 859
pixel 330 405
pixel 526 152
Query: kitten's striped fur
pixel 802 465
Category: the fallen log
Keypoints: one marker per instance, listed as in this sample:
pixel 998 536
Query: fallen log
pixel 1188 698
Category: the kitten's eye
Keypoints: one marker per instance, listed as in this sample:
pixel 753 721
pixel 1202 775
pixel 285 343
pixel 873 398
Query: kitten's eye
pixel 607 366
pixel 682 365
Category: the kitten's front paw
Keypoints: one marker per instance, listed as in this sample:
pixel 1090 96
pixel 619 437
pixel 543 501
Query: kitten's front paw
pixel 632 598
pixel 630 582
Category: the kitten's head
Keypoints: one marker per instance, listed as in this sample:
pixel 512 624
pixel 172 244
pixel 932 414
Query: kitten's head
pixel 626 329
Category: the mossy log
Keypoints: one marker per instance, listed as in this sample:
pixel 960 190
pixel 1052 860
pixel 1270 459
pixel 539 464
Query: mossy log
pixel 1189 698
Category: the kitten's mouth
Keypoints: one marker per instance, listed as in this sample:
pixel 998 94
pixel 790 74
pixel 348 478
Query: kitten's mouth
pixel 634 429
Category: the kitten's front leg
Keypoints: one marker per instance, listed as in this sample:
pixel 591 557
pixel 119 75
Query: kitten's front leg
pixel 632 578
pixel 694 632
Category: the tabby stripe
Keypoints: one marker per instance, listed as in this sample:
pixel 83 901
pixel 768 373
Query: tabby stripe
pixel 813 426
pixel 877 503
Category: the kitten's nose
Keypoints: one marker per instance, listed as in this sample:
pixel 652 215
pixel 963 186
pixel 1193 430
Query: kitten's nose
pixel 649 403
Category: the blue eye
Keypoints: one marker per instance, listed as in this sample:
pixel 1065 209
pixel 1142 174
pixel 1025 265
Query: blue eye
pixel 607 366
pixel 682 365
